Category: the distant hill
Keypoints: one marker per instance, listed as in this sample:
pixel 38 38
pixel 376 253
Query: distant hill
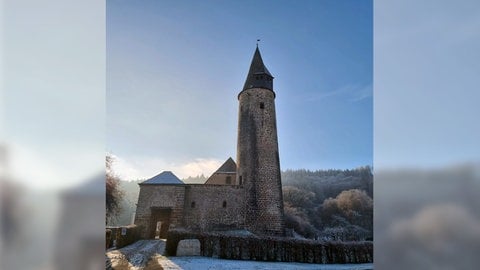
pixel 329 183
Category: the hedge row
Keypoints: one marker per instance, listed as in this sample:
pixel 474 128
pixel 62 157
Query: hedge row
pixel 274 248
pixel 132 234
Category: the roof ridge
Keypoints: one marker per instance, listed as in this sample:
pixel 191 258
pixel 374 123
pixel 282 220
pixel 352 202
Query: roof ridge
pixel 165 177
pixel 228 166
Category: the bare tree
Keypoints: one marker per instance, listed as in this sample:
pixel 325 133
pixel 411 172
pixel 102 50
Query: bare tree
pixel 114 194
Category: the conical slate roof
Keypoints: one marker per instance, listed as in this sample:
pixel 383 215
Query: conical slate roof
pixel 165 177
pixel 228 166
pixel 258 75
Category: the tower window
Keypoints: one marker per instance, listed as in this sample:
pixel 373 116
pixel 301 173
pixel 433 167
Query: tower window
pixel 228 180
pixel 192 205
pixel 224 205
pixel 262 105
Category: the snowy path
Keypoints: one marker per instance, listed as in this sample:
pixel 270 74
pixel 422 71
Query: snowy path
pixel 146 255
pixel 135 256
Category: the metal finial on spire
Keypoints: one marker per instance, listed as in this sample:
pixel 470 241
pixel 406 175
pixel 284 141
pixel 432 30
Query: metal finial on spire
pixel 257 42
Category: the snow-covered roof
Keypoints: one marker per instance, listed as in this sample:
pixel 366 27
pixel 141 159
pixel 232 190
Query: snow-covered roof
pixel 165 177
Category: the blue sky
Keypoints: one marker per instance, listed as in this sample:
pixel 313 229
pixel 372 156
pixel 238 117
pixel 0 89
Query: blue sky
pixel 53 55
pixel 174 70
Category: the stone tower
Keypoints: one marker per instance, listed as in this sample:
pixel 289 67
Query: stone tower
pixel 258 164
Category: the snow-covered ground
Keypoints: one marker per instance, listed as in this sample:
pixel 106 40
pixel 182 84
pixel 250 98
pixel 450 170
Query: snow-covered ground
pixel 195 263
pixel 147 255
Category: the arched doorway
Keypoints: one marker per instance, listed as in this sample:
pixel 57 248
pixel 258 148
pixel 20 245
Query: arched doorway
pixel 159 222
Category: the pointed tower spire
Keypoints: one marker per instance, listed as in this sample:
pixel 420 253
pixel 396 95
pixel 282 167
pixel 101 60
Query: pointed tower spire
pixel 258 75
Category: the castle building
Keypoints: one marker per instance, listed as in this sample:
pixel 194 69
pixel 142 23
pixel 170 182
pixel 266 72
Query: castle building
pixel 242 196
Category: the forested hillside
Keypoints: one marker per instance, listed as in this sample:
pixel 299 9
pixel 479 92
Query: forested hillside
pixel 322 204
pixel 329 204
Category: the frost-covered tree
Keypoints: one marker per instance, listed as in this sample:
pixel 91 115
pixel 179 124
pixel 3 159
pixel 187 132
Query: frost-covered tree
pixel 298 197
pixel 113 194
pixel 351 210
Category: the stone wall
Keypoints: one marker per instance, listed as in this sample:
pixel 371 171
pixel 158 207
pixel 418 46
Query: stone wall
pixel 214 207
pixel 159 196
pixel 274 248
pixel 258 162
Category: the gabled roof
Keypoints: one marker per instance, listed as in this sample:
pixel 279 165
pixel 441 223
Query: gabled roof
pixel 165 177
pixel 228 166
pixel 258 75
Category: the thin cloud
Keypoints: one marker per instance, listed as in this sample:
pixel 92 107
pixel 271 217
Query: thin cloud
pixel 352 92
pixel 144 167
pixel 362 93
pixel 323 95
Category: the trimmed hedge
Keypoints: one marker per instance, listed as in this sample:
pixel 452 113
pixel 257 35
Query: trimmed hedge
pixel 115 233
pixel 273 248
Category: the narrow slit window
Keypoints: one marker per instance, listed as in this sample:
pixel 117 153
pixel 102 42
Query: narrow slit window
pixel 192 204
pixel 240 180
pixel 224 205
pixel 262 105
